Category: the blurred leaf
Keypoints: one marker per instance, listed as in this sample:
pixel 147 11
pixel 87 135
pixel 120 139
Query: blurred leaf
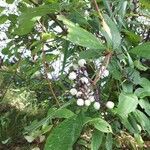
pixel 143 120
pixel 132 37
pixel 90 54
pixel 100 124
pixel 29 17
pixel 65 134
pixel 145 105
pixel 142 92
pixel 3 19
pixel 127 104
pixel 145 3
pixel 53 112
pixel 109 141
pixel 142 50
pixel 10 1
pixel 80 36
pixel 139 65
pixel 1 9
pixel 97 138
pixel 64 113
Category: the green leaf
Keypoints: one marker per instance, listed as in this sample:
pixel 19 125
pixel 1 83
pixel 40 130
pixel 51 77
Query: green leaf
pixel 144 82
pixel 97 138
pixel 89 54
pixel 63 113
pixel 100 125
pixel 142 50
pixel 139 65
pixel 143 120
pixel 1 8
pixel 80 36
pixel 10 1
pixel 65 134
pixel 142 92
pixel 53 112
pixel 3 18
pixel 116 38
pixel 145 105
pixel 28 18
pixel 145 3
pixel 127 104
pixel 109 141
pixel 132 37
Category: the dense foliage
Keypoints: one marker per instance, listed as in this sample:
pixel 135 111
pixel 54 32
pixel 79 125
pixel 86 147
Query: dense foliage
pixel 74 74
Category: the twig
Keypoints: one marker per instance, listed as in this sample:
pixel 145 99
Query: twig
pixel 101 70
pixel 97 9
pixel 46 75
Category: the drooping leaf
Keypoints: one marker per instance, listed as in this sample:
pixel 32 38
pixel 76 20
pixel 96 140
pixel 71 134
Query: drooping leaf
pixel 97 138
pixel 80 36
pixel 142 50
pixel 127 104
pixel 65 134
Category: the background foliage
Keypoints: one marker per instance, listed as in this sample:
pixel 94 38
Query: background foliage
pixel 43 39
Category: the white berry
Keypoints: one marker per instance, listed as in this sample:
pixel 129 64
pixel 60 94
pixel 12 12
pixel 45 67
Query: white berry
pixel 110 105
pixel 91 98
pixel 73 91
pixel 87 102
pixel 80 102
pixel 75 66
pixel 84 80
pixel 72 75
pixel 79 94
pixel 81 62
pixel 97 105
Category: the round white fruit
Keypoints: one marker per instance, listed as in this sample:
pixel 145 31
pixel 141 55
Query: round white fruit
pixel 72 75
pixel 80 102
pixel 73 91
pixel 91 98
pixel 110 105
pixel 81 62
pixel 84 80
pixel 87 102
pixel 97 105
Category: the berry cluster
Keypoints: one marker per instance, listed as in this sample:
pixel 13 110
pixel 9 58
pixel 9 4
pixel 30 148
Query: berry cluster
pixel 82 87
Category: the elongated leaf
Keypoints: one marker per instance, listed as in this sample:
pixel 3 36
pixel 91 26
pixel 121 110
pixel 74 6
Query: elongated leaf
pixel 116 38
pixel 53 112
pixel 143 120
pixel 109 141
pixel 28 17
pixel 65 135
pixel 142 50
pixel 127 104
pixel 97 138
pixel 80 36
pixel 100 124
